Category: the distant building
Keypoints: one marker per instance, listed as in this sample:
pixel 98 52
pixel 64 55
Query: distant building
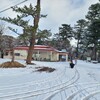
pixel 40 52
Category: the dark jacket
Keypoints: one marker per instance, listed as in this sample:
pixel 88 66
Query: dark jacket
pixel 72 65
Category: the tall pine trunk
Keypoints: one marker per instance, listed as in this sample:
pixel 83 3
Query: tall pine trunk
pixel 95 53
pixel 13 56
pixel 77 49
pixel 32 41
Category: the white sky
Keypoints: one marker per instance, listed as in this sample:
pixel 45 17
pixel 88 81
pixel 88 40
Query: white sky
pixel 58 11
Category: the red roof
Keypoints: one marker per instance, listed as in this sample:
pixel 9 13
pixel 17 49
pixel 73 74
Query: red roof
pixel 37 47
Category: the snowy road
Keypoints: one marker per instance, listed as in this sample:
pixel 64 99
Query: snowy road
pixel 80 83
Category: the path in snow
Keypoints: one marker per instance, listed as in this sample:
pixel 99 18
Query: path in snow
pixel 33 88
pixel 65 83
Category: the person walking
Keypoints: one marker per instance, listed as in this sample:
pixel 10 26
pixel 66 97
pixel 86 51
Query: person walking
pixel 71 62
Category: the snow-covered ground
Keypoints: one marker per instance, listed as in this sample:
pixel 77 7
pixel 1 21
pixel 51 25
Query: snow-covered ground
pixel 80 83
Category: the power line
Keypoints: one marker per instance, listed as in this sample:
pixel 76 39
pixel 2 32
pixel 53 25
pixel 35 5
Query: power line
pixel 9 4
pixel 13 6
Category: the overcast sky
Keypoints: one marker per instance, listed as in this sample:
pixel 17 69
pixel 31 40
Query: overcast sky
pixel 58 11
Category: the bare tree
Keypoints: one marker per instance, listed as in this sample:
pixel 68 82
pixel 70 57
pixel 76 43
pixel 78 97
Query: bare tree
pixel 2 30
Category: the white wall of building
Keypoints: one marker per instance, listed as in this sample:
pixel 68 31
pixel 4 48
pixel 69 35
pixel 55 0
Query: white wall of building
pixel 37 55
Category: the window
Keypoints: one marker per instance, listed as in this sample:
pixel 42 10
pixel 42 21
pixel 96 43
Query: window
pixel 17 54
pixel 6 53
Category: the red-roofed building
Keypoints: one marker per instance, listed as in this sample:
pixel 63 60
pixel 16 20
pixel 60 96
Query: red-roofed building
pixel 40 52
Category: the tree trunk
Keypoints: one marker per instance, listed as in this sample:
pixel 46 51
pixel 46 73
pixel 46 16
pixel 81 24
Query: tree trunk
pixel 93 55
pixel 30 51
pixel 2 54
pixel 32 41
pixel 77 48
pixel 12 60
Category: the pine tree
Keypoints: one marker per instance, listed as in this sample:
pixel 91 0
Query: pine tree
pixel 65 35
pixel 93 17
pixel 34 12
pixel 79 32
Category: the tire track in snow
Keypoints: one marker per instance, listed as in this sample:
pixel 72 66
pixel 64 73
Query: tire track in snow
pixel 71 86
pixel 82 90
pixel 31 83
pixel 38 92
pixel 77 76
pixel 91 95
pixel 74 94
